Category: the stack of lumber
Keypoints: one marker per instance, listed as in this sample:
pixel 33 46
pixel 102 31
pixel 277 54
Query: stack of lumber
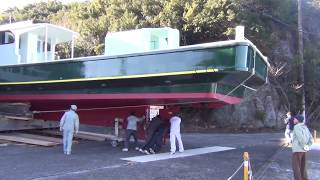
pixel 17 116
pixel 18 111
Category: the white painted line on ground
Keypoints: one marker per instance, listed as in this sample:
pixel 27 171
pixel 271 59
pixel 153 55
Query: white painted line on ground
pixel 64 174
pixel 186 153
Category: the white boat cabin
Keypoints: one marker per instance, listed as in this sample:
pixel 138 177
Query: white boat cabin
pixel 141 40
pixel 28 42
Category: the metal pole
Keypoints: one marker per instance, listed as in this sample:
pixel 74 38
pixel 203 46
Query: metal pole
pixel 301 62
pixel 116 127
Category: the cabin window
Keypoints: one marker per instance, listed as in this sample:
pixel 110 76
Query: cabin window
pixel 48 46
pixel 6 37
pixel 154 43
pixel 38 46
pixel 41 46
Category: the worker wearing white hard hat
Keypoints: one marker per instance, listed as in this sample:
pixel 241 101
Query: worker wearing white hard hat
pixel 69 124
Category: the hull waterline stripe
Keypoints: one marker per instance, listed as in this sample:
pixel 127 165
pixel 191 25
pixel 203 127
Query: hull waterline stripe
pixel 113 77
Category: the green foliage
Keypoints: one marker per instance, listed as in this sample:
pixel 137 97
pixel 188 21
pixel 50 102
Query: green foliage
pixel 39 12
pixel 198 20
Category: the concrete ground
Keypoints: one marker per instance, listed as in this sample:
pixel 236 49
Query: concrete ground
pixel 98 160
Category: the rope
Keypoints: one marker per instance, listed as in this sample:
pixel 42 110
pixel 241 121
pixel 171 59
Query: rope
pixel 236 171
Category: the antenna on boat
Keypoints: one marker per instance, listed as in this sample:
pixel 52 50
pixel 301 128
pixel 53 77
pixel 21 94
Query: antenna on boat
pixel 239 33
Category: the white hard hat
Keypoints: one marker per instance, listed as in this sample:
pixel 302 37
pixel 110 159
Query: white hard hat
pixel 74 107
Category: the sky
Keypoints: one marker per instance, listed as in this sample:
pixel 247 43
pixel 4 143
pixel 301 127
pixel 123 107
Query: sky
pixel 5 4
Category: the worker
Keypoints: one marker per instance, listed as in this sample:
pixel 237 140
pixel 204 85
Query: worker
pixel 132 120
pixel 69 124
pixel 175 121
pixel 159 135
pixel 289 127
pixel 302 141
pixel 150 131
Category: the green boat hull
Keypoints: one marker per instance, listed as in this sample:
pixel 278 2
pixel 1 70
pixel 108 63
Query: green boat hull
pixel 180 70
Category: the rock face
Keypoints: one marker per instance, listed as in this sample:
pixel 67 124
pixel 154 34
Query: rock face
pixel 259 110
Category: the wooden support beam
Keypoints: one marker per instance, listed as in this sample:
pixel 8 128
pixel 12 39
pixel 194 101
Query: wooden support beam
pixel 18 118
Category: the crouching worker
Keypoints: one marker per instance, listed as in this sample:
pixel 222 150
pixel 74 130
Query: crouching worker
pixel 133 120
pixel 159 135
pixel 150 132
pixel 69 124
pixel 155 143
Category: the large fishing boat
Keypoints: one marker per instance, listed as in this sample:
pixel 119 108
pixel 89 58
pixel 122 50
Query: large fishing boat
pixel 213 74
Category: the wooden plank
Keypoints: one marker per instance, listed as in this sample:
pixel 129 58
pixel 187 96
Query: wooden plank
pixel 18 118
pixel 27 140
pixel 79 135
pixel 39 137
pixel 52 132
pixel 105 136
pixel 95 134
pixel 92 134
pixel 87 135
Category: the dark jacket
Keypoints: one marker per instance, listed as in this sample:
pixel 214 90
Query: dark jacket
pixel 291 123
pixel 154 124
